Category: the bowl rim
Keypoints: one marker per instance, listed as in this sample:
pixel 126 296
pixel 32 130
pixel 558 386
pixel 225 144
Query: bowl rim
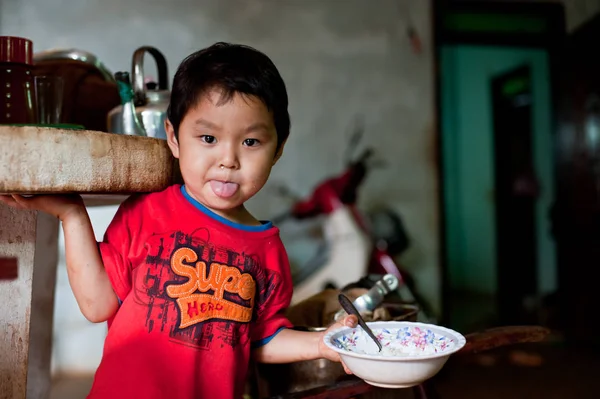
pixel 460 341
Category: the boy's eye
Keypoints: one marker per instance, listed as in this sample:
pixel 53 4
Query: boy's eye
pixel 251 142
pixel 208 139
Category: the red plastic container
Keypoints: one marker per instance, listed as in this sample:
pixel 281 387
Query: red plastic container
pixel 17 89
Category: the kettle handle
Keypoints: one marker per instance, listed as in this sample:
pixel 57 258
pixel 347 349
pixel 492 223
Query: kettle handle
pixel 137 72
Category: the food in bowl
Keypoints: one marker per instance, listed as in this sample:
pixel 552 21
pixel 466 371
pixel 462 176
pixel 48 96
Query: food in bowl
pixel 412 352
pixel 408 340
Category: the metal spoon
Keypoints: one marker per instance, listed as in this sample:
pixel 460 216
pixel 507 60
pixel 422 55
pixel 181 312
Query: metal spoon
pixel 350 309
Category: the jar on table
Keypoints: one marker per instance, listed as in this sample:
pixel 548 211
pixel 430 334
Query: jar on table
pixel 17 90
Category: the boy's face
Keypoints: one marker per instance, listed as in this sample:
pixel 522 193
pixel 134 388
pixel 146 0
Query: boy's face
pixel 225 151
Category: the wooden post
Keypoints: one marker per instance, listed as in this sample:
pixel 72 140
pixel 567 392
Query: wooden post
pixel 26 309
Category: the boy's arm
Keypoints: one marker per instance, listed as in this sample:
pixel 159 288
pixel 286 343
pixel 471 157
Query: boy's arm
pixel 87 275
pixel 290 346
pixel 294 346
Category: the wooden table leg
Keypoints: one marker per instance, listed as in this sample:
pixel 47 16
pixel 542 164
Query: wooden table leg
pixel 27 303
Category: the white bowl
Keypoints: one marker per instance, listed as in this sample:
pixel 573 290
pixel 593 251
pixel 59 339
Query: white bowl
pixel 412 352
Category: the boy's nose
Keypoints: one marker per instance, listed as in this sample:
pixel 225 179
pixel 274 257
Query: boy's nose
pixel 229 159
pixel 229 165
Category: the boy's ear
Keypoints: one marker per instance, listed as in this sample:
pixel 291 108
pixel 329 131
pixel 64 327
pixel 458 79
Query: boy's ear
pixel 279 152
pixel 171 139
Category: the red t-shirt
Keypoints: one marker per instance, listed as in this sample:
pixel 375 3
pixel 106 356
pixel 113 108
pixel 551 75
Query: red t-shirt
pixel 197 292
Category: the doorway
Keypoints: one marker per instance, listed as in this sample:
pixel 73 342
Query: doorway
pixel 516 192
pixel 496 103
pixel 496 81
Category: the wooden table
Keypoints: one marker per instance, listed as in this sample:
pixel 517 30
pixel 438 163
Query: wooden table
pixel 105 168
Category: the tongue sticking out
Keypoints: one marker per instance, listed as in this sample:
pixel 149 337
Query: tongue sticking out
pixel 223 189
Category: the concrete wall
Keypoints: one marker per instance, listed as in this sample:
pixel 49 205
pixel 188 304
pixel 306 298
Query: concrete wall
pixel 341 60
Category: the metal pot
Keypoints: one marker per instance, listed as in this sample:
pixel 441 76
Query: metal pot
pixel 75 55
pixel 151 100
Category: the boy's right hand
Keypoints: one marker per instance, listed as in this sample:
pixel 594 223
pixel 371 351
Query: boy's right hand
pixel 60 206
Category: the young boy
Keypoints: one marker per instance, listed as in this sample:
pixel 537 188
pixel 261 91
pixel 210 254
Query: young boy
pixel 190 282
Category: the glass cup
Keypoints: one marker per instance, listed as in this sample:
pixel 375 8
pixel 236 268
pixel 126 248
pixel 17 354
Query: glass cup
pixel 49 97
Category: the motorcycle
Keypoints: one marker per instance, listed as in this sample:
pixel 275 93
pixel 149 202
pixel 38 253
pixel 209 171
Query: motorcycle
pixel 355 246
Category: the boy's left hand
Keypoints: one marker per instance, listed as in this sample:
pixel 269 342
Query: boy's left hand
pixel 326 352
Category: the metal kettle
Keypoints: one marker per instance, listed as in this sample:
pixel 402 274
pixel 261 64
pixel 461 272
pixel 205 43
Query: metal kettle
pixel 151 100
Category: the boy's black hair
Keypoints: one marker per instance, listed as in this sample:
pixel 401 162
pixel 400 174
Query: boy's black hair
pixel 232 68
